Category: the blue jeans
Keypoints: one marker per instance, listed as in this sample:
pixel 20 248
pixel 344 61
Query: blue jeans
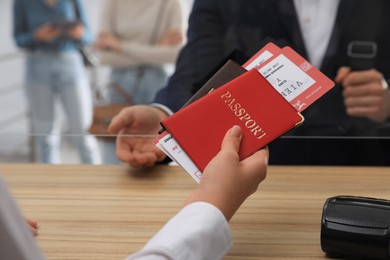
pixel 142 84
pixel 53 77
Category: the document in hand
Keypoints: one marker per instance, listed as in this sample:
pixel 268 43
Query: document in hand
pixel 265 101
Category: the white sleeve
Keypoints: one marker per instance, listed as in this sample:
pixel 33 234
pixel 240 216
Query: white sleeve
pixel 198 231
pixel 16 240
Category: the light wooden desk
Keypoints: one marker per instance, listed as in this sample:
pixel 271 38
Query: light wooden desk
pixel 108 212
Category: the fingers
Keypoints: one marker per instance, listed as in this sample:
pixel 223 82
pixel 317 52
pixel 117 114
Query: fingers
pixel 115 125
pixel 173 37
pixel 118 122
pixel 362 77
pixel 108 41
pixel 139 160
pixel 374 107
pixel 227 182
pixel 76 31
pixel 232 139
pixel 47 33
pixel 138 152
pixel 262 155
pixel 347 78
pixel 360 83
pixel 33 226
pixel 257 163
pixel 254 166
pixel 342 74
pixel 363 91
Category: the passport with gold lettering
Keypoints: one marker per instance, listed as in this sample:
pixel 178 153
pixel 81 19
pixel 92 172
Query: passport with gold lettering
pixel 249 101
pixel 265 97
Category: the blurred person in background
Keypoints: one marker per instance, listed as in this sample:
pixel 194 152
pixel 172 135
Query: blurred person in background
pixel 50 31
pixel 137 40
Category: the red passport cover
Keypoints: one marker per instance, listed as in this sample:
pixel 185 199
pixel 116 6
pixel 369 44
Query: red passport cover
pixel 249 101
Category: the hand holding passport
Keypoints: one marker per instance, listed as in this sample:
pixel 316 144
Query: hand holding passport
pixel 264 97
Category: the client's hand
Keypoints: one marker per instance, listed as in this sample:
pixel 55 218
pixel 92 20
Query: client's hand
pixel 33 226
pixel 227 182
pixel 138 120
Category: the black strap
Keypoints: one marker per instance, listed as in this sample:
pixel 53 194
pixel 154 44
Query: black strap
pixel 370 17
pixel 362 49
pixel 76 10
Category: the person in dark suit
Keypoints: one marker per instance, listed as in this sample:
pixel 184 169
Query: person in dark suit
pixel 348 41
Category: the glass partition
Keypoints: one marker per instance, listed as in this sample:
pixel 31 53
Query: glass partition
pixel 366 141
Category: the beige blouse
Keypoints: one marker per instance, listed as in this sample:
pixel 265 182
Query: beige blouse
pixel 140 23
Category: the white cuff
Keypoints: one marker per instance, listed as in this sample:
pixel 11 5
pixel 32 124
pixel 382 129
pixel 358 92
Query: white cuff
pixel 198 231
pixel 163 108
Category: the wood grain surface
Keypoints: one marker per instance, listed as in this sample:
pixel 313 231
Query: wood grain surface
pixel 108 212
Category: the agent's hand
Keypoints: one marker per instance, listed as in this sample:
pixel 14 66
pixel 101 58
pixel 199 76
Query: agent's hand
pixel 47 33
pixel 365 93
pixel 76 32
pixel 138 120
pixel 227 182
pixel 108 41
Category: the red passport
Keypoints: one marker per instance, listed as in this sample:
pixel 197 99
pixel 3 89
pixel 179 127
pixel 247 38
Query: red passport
pixel 249 101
